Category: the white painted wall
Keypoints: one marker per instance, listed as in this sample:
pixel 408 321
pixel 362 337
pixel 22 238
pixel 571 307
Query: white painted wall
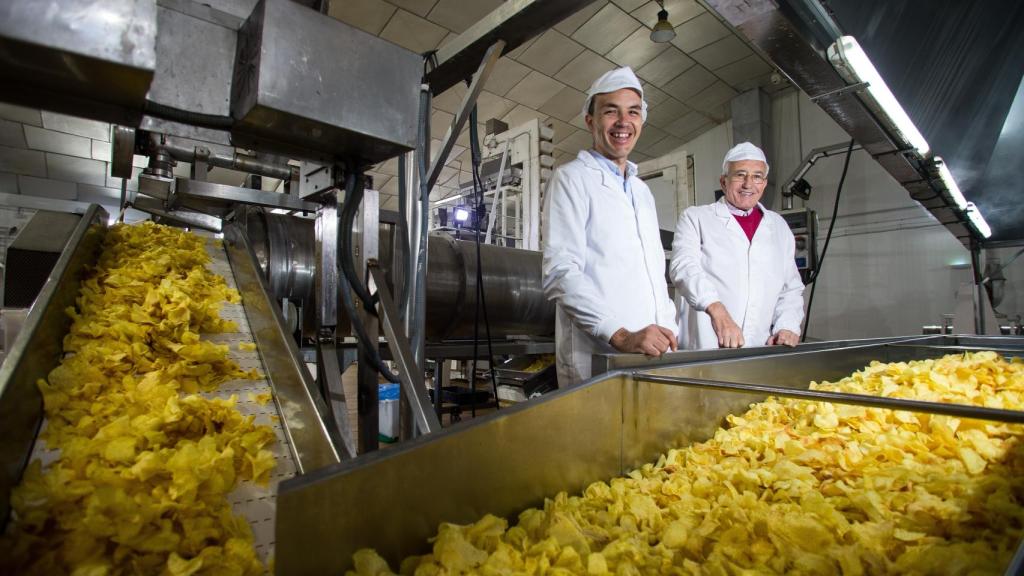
pixel 891 268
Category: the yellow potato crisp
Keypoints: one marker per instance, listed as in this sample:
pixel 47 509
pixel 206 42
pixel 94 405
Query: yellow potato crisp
pixel 789 487
pixel 145 462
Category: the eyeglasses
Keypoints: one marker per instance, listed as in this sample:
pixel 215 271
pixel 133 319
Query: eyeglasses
pixel 756 177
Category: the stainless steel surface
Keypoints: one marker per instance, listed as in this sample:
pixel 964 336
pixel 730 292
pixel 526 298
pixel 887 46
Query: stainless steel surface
pixel 958 410
pixel 327 262
pixel 978 290
pixel 330 377
pixel 11 322
pixel 464 350
pixel 37 350
pixel 303 411
pixel 285 248
pixel 183 216
pixel 122 143
pixel 608 362
pixel 40 203
pixel 94 58
pixel 512 279
pixel 394 499
pixel 468 105
pixel 513 459
pixel 514 22
pixel 195 58
pixel 218 196
pixel 364 244
pixel 32 255
pixel 228 159
pixel 308 83
pixel 512 284
pixel 413 388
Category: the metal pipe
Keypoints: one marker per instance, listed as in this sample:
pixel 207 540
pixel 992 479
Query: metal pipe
pixel 957 410
pixel 979 289
pixel 417 332
pixel 233 162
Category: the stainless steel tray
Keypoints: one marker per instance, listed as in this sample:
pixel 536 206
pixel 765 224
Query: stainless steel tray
pixel 394 500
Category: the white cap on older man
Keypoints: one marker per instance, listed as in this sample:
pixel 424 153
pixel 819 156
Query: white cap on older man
pixel 744 151
pixel 613 80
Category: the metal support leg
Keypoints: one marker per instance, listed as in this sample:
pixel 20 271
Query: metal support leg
pixel 413 387
pixel 364 244
pixel 979 289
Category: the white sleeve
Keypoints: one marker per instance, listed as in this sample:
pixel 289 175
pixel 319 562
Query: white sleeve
pixel 566 211
pixel 789 308
pixel 687 275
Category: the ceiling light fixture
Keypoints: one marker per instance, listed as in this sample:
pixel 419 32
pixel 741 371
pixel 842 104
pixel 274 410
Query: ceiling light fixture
pixel 977 220
pixel 663 30
pixel 853 65
pixel 947 180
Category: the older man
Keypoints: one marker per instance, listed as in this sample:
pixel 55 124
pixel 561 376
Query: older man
pixel 732 261
pixel 603 261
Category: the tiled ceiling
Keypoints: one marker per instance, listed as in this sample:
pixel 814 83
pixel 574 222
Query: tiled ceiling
pixel 688 82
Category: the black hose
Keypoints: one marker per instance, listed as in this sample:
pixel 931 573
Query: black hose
pixel 474 146
pixel 186 117
pixel 349 281
pixel 353 197
pixel 368 348
pixel 828 238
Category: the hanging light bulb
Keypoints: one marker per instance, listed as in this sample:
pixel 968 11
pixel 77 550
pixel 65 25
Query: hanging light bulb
pixel 663 30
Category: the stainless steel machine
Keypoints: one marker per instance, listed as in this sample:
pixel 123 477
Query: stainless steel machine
pixel 147 65
pixel 510 461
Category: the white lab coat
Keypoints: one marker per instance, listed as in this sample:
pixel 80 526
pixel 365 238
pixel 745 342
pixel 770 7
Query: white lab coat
pixel 604 265
pixel 756 280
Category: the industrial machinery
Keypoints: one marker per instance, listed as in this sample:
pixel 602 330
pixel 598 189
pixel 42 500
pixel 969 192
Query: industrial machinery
pixel 322 266
pixel 567 440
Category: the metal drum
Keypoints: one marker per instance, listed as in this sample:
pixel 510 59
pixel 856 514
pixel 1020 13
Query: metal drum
pixel 285 248
pixel 512 289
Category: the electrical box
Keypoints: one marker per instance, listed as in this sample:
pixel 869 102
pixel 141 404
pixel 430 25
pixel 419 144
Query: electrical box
pixel 804 225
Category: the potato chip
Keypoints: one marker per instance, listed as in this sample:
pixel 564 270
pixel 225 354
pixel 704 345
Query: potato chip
pixel 145 463
pixel 791 487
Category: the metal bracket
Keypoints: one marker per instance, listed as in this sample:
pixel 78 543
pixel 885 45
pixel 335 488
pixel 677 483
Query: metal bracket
pixel 468 102
pixel 329 375
pixel 840 91
pixel 411 375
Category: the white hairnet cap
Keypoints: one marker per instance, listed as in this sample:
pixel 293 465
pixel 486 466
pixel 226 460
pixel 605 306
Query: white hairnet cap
pixel 613 80
pixel 744 151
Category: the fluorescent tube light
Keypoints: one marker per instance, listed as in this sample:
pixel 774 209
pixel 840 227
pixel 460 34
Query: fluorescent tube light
pixel 448 199
pixel 853 65
pixel 947 179
pixel 977 220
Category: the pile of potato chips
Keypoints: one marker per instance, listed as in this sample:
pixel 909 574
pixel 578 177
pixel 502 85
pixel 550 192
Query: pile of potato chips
pixel 790 487
pixel 145 462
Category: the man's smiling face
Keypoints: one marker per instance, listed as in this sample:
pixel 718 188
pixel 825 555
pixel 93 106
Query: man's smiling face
pixel 615 123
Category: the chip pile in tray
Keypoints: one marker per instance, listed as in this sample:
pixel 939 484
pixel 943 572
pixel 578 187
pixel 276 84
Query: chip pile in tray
pixel 145 461
pixel 790 487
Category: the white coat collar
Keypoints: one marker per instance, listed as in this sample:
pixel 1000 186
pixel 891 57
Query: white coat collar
pixel 607 179
pixel 722 211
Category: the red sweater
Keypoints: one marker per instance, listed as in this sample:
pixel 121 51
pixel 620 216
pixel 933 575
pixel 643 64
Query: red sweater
pixel 749 223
